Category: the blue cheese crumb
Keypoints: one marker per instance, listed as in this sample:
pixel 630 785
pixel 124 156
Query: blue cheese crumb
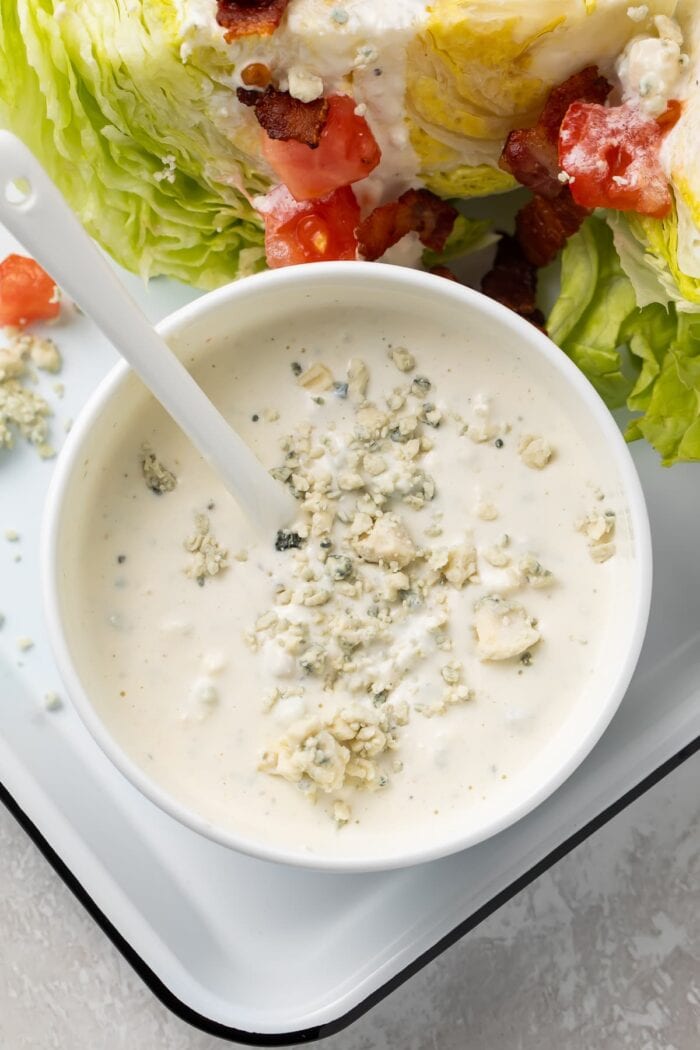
pixel 52 701
pixel 209 558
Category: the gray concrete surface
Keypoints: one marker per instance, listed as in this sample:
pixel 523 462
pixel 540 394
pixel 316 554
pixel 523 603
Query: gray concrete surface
pixel 600 953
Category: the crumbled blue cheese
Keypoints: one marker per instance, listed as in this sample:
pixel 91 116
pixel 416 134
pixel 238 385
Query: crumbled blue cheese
pixel 534 573
pixel 402 358
pixel 25 348
pixel 345 750
pixel 317 379
pixel 638 13
pixel 358 379
pixel 486 510
pixel 364 603
pixel 651 67
pixel 503 628
pixel 203 697
pixel 481 426
pixel 386 542
pixel 208 557
pixel 599 529
pixel 42 352
pixel 534 451
pixel 303 84
pixel 157 476
pixel 25 412
pixel 11 363
pixel 52 701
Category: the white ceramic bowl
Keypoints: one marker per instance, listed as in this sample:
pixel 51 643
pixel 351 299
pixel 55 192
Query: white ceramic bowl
pixel 354 284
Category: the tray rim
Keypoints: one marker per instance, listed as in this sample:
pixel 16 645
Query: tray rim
pixel 310 1035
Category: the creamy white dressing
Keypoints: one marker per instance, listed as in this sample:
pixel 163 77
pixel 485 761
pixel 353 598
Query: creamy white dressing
pixel 652 68
pixel 353 47
pixel 166 662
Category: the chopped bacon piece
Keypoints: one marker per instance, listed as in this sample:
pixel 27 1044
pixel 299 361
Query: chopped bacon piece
pixel 446 272
pixel 612 159
pixel 283 117
pixel 249 17
pixel 513 281
pixel 544 226
pixel 530 154
pixel 418 211
pixel 347 152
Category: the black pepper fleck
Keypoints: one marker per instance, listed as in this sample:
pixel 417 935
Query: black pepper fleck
pixel 377 72
pixel 498 443
pixel 287 540
pixel 526 659
pixel 121 558
pixel 211 504
pixel 255 417
pixel 296 368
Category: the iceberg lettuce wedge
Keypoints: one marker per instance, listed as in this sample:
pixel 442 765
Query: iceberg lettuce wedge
pixel 104 100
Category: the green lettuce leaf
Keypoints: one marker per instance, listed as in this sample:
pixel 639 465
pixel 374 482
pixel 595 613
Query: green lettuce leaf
pixel 648 333
pixel 596 298
pixel 647 359
pixel 126 129
pixel 671 421
pixel 659 240
pixel 468 235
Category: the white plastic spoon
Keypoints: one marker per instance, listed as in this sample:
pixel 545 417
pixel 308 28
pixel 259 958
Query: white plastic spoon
pixel 42 221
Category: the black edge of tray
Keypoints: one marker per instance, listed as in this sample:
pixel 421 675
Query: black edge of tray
pixel 309 1035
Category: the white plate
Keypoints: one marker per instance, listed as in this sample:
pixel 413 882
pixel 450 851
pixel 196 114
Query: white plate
pixel 255 951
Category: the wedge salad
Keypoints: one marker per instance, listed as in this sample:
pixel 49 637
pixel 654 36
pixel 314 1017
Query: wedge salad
pixel 209 139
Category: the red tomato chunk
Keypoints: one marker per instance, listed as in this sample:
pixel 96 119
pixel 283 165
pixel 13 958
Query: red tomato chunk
pixel 612 159
pixel 27 293
pixel 312 231
pixel 347 152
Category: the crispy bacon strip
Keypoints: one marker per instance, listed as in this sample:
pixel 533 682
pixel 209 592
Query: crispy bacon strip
pixel 283 117
pixel 418 211
pixel 249 17
pixel 513 281
pixel 543 226
pixel 530 154
pixel 446 272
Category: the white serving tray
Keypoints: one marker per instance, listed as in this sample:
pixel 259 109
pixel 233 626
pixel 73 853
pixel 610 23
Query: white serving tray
pixel 259 953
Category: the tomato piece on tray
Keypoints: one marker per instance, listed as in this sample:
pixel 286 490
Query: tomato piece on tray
pixel 310 231
pixel 612 159
pixel 347 152
pixel 27 293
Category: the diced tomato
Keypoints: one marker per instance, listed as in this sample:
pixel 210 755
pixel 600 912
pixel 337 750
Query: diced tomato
pixel 347 152
pixel 27 293
pixel 612 158
pixel 671 115
pixel 310 231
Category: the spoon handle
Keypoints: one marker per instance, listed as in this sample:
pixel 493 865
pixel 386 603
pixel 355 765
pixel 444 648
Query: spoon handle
pixel 36 213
